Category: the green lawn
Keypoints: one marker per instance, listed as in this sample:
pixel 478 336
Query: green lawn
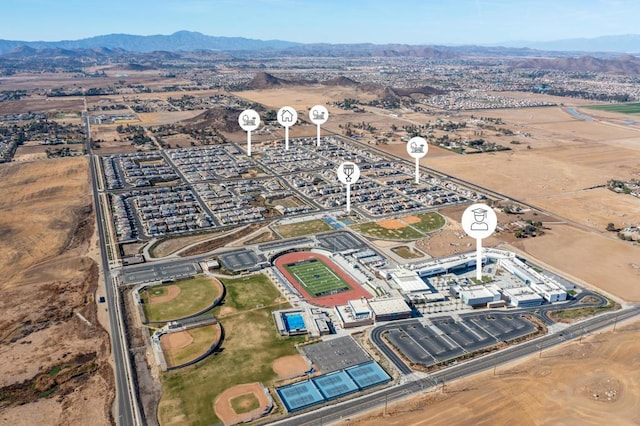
pixel 195 295
pixel 372 229
pixel 317 278
pixel 429 222
pixel 250 346
pixel 629 108
pixel 303 228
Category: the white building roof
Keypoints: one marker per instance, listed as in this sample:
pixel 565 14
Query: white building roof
pixel 409 281
pixel 389 306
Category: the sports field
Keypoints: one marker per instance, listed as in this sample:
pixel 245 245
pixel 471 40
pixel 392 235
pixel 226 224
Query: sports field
pixel 180 299
pixel 247 354
pixel 184 346
pixel 630 108
pixel 317 278
pixel 332 286
pixel 303 228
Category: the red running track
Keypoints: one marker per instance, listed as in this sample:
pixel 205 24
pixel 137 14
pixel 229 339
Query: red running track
pixel 332 300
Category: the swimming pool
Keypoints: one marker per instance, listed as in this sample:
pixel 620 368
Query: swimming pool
pixel 294 322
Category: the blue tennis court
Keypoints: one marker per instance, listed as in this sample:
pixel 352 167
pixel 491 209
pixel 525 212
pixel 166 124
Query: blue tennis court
pixel 294 322
pixel 299 395
pixel 336 384
pixel 332 385
pixel 368 374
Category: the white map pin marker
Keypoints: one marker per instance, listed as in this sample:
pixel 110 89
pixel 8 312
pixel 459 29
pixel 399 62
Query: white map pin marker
pixel 318 116
pixel 417 148
pixel 348 173
pixel 287 117
pixel 479 221
pixel 249 120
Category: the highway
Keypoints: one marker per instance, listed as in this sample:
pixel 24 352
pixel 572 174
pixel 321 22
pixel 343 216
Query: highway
pixel 126 409
pixel 364 403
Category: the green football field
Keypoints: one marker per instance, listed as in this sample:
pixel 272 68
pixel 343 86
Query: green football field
pixel 317 278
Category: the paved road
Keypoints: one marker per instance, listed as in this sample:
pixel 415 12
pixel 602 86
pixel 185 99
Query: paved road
pixel 356 406
pixel 124 409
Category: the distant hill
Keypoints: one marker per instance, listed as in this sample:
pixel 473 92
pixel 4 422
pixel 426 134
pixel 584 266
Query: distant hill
pixel 341 81
pixel 181 40
pixel 623 65
pixel 629 43
pixel 264 80
pixel 223 119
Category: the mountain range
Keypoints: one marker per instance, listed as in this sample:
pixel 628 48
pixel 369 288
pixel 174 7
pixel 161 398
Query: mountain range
pixel 628 43
pixel 192 41
pixel 179 41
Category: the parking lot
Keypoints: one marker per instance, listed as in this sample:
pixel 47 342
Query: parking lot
pixel 335 354
pixel 434 340
pixel 340 241
pixel 159 272
pixel 240 260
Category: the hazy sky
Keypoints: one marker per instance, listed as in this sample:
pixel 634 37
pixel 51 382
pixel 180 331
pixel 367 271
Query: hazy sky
pixel 330 21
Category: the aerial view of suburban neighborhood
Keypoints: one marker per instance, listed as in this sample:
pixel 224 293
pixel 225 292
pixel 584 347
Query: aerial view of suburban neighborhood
pixel 297 222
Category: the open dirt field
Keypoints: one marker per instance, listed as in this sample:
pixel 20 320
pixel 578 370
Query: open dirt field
pixel 593 383
pixel 42 104
pixel 52 360
pixel 304 97
pixel 594 208
pixel 225 411
pixel 290 366
pixel 606 263
pixel 166 117
pixel 451 239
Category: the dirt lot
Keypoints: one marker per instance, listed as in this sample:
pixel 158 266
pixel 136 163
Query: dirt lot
pixel 451 239
pixel 290 366
pixel 595 382
pixel 604 262
pixel 55 366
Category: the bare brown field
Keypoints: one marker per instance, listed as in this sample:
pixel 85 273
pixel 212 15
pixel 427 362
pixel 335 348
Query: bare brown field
pixel 595 382
pixel 606 263
pixel 451 239
pixel 112 142
pixel 594 208
pixel 48 279
pixel 166 117
pixel 42 104
pixel 400 149
pixel 169 246
pixel 181 140
pixel 304 97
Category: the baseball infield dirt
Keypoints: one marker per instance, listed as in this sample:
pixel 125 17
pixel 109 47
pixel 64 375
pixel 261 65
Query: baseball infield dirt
pixel 290 366
pixel 225 411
